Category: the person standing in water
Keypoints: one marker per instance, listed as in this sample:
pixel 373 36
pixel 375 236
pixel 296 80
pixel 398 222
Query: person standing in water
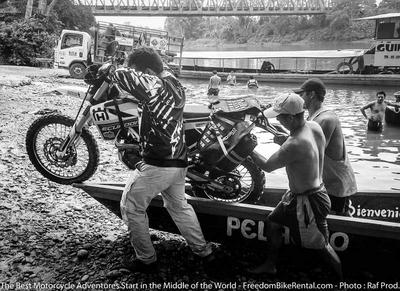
pixel 378 107
pixel 213 85
pixel 231 79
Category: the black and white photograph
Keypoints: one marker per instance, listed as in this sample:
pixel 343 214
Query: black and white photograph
pixel 199 145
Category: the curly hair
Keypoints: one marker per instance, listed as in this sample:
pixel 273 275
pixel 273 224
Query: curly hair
pixel 146 57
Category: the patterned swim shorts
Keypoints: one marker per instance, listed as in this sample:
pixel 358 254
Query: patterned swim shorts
pixel 305 216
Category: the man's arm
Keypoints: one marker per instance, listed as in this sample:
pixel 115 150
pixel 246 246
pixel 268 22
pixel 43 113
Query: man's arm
pixel 366 107
pixel 142 86
pixel 285 155
pixel 328 126
pixel 392 104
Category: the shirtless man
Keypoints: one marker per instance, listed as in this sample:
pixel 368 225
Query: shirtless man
pixel 213 85
pixel 378 107
pixel 338 175
pixel 304 207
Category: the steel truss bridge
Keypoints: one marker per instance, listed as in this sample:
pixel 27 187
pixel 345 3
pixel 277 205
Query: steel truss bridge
pixel 207 7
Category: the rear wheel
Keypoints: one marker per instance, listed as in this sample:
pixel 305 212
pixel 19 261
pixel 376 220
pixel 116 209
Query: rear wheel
pixel 247 182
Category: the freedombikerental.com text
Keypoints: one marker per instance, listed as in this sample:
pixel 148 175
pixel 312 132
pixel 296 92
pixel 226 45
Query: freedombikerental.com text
pixel 378 285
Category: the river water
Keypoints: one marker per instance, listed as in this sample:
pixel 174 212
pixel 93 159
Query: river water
pixel 374 156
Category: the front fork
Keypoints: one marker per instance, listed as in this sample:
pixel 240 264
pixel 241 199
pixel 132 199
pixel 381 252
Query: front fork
pixel 76 129
pixel 75 132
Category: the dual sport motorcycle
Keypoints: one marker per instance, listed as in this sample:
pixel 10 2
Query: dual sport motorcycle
pixel 218 137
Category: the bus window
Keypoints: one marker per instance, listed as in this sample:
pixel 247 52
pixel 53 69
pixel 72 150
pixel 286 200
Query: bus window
pixel 388 29
pixel 397 29
pixel 71 40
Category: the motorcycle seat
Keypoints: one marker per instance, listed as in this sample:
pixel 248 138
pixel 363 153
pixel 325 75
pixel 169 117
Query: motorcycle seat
pixel 196 111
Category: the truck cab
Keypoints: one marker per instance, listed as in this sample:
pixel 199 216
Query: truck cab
pixel 73 52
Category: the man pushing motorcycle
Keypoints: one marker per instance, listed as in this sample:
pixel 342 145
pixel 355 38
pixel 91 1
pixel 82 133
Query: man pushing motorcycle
pixel 164 158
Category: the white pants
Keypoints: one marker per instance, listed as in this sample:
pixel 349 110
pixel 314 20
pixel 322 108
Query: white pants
pixel 143 185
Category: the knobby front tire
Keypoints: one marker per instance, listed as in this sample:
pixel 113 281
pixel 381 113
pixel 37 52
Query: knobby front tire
pixel 43 140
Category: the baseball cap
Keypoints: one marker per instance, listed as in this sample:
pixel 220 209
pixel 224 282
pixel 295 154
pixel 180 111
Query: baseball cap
pixel 313 84
pixel 291 104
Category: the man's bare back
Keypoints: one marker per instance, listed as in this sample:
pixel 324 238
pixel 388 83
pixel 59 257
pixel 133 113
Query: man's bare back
pixel 333 134
pixel 306 146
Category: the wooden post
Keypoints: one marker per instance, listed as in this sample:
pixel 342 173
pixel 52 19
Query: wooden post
pixel 180 53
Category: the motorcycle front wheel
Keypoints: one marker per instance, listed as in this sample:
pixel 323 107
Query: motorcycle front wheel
pixel 247 182
pixel 43 140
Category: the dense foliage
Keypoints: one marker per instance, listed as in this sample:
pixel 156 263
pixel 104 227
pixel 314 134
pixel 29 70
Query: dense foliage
pixel 338 24
pixel 24 40
pixel 72 16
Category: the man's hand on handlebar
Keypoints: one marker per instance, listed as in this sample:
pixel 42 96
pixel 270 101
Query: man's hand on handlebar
pixel 264 107
pixel 280 139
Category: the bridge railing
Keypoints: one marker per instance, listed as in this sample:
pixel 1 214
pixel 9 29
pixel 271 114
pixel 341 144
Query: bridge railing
pixel 207 7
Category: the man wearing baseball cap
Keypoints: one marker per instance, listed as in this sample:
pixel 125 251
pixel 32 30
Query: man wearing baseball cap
pixel 338 175
pixel 304 207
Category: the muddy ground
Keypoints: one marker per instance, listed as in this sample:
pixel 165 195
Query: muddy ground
pixel 56 234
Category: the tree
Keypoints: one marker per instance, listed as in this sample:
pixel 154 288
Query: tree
pixel 393 5
pixel 29 9
pixel 42 8
pixel 50 7
pixel 189 27
pixel 22 41
pixel 74 16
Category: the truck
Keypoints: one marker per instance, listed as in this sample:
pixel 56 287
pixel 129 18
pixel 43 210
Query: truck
pixel 76 50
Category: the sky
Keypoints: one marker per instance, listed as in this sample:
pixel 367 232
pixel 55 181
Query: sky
pixel 154 22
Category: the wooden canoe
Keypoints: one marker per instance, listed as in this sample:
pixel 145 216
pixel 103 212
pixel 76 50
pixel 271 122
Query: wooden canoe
pixel 245 223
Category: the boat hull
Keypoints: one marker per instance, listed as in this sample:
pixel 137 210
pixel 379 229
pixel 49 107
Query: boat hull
pixel 392 117
pixel 245 223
